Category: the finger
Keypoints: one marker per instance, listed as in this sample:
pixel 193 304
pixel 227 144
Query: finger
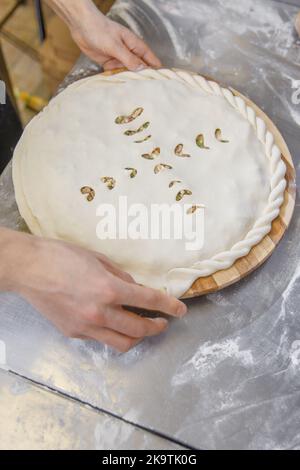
pixel 135 295
pixel 150 59
pixel 138 47
pixel 131 61
pixel 112 64
pixel 114 268
pixel 116 271
pixel 131 324
pixel 121 343
pixel 126 277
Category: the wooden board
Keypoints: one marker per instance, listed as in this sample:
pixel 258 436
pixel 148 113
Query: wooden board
pixel 260 252
pixel 104 5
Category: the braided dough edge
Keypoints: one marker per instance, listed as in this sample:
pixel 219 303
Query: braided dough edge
pixel 181 279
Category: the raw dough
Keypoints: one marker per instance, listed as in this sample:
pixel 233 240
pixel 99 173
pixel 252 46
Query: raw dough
pixel 75 142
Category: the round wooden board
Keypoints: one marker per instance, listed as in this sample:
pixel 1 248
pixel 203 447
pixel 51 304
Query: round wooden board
pixel 260 252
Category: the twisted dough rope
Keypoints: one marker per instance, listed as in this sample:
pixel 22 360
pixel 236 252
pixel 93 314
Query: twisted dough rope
pixel 181 279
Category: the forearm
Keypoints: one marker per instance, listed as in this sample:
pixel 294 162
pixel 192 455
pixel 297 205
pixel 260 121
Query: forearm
pixel 74 12
pixel 15 253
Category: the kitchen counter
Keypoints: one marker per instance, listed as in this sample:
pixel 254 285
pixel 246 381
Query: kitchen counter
pixel 227 376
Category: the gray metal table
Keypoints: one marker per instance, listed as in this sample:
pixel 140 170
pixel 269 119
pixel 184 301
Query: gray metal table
pixel 227 376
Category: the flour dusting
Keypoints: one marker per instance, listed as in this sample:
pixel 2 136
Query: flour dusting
pixel 295 353
pixel 122 10
pixel 248 44
pixel 287 294
pixel 209 356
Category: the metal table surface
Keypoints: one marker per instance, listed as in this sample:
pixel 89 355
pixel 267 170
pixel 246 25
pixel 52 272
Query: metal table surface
pixel 227 376
pixel 35 418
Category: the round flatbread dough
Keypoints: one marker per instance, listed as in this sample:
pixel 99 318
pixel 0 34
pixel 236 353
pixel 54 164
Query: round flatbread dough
pixel 80 153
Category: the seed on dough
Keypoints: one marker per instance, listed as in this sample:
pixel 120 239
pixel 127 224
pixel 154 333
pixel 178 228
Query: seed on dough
pixel 126 119
pixel 193 209
pixel 133 172
pixel 200 141
pixel 182 193
pixel 88 192
pixel 162 166
pixel 179 151
pixel 218 136
pixel 173 183
pixel 109 181
pixel 140 129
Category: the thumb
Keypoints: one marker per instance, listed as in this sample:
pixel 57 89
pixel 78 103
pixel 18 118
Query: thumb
pixel 130 60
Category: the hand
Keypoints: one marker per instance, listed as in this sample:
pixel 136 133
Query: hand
pixel 82 292
pixel 112 45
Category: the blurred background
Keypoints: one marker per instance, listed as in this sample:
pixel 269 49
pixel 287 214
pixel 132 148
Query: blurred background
pixel 37 52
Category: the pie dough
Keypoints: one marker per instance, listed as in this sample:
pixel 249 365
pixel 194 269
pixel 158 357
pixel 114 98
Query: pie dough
pixel 75 143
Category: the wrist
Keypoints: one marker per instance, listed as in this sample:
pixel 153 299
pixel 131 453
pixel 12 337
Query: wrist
pixel 16 252
pixel 75 13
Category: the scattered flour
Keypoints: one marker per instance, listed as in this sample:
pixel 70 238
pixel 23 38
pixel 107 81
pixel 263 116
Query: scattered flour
pixel 210 35
pixel 127 9
pixel 208 357
pixel 266 19
pixel 295 354
pixel 287 294
pixel 122 10
pixel 110 431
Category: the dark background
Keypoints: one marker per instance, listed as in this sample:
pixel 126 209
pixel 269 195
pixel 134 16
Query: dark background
pixel 10 132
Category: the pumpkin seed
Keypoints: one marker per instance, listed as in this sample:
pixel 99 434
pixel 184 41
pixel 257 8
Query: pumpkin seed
pixel 109 181
pixel 162 166
pixel 156 151
pixel 182 193
pixel 200 141
pixel 88 192
pixel 126 119
pixel 218 135
pixel 152 155
pixel 173 183
pixel 133 172
pixel 179 151
pixel 143 140
pixel 148 156
pixel 193 209
pixel 137 112
pixel 140 129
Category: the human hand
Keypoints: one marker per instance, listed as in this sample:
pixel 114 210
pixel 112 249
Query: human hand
pixel 83 293
pixel 110 44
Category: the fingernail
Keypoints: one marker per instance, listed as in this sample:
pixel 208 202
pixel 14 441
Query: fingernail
pixel 160 320
pixel 182 309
